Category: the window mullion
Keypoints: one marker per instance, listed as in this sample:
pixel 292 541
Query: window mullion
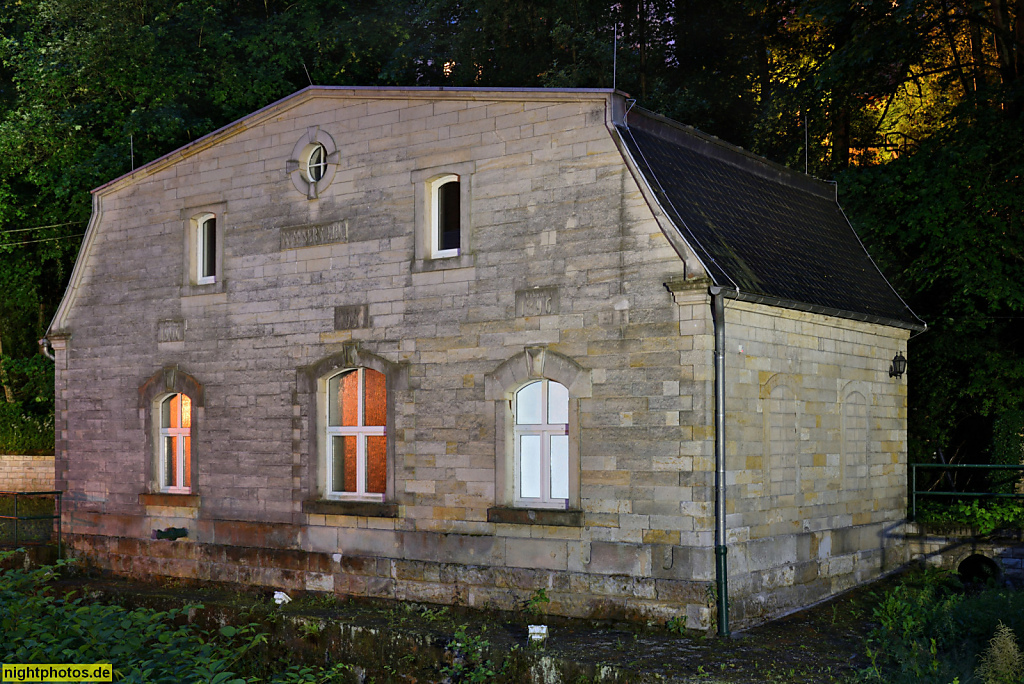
pixel 180 447
pixel 180 474
pixel 361 435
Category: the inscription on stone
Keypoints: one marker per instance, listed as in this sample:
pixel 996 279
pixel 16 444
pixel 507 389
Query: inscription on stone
pixel 540 301
pixel 310 236
pixel 351 317
pixel 170 331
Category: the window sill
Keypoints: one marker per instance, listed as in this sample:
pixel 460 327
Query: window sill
pixel 170 500
pixel 534 516
pixel 366 509
pixel 443 263
pixel 193 289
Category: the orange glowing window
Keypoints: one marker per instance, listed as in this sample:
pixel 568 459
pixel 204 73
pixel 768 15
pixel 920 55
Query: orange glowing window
pixel 176 444
pixel 356 441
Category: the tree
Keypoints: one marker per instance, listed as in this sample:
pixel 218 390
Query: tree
pixel 945 224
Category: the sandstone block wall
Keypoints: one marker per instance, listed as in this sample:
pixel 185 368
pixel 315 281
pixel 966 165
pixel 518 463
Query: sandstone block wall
pixel 816 434
pixel 26 473
pixel 553 209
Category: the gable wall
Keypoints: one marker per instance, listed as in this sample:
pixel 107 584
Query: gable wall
pixel 552 206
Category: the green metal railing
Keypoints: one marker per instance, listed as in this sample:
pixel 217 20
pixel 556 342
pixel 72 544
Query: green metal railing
pixel 22 528
pixel 915 492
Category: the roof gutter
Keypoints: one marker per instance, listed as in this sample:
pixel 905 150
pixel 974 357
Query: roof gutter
pixel 824 310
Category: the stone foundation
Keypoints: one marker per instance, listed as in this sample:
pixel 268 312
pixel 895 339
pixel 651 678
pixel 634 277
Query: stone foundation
pixel 571 594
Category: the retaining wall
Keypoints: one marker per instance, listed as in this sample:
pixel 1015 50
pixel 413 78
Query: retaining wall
pixel 26 473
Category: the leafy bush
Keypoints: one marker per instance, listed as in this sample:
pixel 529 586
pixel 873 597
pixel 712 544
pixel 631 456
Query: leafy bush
pixel 983 516
pixel 26 423
pixel 143 645
pixel 24 433
pixel 929 631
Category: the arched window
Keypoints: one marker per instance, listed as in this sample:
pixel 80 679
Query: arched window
pixel 356 439
pixel 206 250
pixel 176 444
pixel 541 430
pixel 445 221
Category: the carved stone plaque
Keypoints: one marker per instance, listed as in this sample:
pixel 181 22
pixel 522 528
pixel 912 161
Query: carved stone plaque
pixel 538 301
pixel 351 317
pixel 310 236
pixel 170 330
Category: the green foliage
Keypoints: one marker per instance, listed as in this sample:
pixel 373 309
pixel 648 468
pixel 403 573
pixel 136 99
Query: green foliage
pixel 945 225
pixel 677 624
pixel 26 422
pixel 984 516
pixel 930 632
pixel 1008 440
pixel 24 433
pixel 143 645
pixel 537 603
pixel 469 658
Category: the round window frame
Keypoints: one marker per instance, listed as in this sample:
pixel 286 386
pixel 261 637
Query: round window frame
pixel 298 165
pixel 310 168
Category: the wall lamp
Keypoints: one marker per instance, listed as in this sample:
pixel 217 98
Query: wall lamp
pixel 898 366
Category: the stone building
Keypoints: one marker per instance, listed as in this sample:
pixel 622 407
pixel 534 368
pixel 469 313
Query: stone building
pixel 456 345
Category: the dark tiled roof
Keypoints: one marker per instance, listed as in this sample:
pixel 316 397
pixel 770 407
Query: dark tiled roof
pixel 759 227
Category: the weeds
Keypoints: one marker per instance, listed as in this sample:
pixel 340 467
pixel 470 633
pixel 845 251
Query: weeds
pixel 676 625
pixel 469 662
pixel 929 631
pixel 1002 662
pixel 536 604
pixel 318 600
pixel 143 644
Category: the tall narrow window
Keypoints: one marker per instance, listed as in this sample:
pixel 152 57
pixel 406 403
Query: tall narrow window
pixel 356 440
pixel 206 251
pixel 316 163
pixel 176 444
pixel 445 217
pixel 542 444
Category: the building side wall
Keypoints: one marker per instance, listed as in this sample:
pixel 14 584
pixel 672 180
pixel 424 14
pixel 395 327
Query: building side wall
pixel 816 442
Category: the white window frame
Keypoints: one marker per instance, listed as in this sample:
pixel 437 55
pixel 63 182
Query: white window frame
pixel 545 431
pixel 435 219
pixel 203 229
pixel 180 433
pixel 360 431
pixel 315 171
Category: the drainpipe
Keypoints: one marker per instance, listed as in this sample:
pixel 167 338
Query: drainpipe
pixel 721 565
pixel 44 346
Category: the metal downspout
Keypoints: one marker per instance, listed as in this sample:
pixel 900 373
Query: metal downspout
pixel 721 564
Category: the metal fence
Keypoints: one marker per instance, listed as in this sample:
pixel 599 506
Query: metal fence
pixel 915 492
pixel 28 518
